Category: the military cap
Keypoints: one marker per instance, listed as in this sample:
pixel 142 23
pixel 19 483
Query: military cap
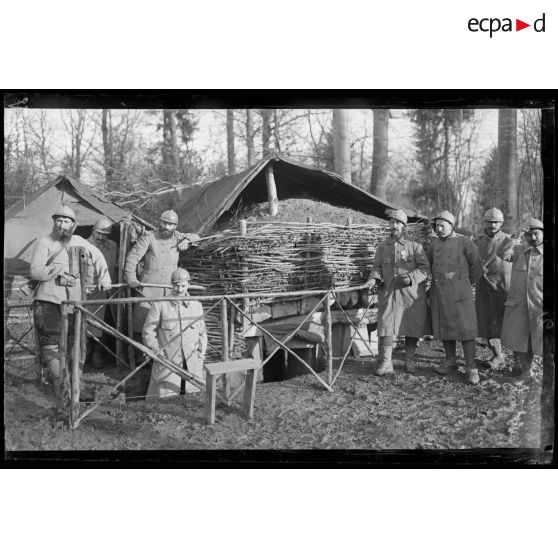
pixel 170 216
pixel 534 224
pixel 446 216
pixel 398 214
pixel 103 225
pixel 494 215
pixel 65 211
pixel 179 275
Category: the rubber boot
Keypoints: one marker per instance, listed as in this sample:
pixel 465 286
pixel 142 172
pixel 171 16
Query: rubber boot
pixel 410 350
pixel 498 358
pixel 449 366
pixel 386 366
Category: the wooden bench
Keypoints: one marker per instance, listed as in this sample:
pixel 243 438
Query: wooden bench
pixel 213 370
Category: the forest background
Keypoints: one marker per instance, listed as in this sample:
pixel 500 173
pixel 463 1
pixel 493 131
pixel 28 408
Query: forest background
pixel 426 160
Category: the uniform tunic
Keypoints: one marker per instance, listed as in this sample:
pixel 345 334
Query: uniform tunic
pixel 110 252
pixel 456 267
pixel 401 310
pixel 523 316
pixel 492 288
pixel 160 259
pixel 164 321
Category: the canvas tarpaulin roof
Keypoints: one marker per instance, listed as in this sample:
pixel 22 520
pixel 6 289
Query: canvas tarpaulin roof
pixel 204 204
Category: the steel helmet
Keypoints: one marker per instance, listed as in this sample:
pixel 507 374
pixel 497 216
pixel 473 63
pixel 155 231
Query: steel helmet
pixel 179 275
pixel 103 225
pixel 398 214
pixel 169 216
pixel 446 216
pixel 65 211
pixel 494 215
pixel 535 224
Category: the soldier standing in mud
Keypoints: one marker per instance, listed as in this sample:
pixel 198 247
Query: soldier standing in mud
pixel 492 288
pixel 100 238
pixel 400 269
pixel 522 328
pixel 159 251
pixel 50 266
pixel 456 267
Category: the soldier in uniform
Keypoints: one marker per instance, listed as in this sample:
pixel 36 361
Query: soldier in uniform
pixel 159 251
pixel 400 269
pixel 492 288
pixel 100 238
pixel 522 328
pixel 50 266
pixel 456 267
pixel 164 320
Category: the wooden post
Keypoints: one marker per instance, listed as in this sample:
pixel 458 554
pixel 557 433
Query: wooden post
pixel 83 292
pixel 62 352
pixel 271 191
pixel 121 259
pixel 249 394
pixel 74 385
pixel 328 343
pixel 225 345
pixel 131 352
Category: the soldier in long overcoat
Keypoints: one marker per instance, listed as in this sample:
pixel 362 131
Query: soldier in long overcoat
pixel 400 269
pixel 492 288
pixel 456 267
pixel 522 329
pixel 158 251
pixel 164 321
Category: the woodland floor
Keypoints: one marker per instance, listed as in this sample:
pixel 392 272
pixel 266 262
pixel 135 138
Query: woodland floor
pixel 404 411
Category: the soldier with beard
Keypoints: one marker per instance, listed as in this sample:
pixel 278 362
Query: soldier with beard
pixel 522 328
pixel 50 263
pixel 400 270
pixel 159 251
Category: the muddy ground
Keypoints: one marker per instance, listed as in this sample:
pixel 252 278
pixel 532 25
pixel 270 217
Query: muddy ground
pixel 419 411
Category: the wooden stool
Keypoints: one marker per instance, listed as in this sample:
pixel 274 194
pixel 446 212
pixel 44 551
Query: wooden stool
pixel 215 369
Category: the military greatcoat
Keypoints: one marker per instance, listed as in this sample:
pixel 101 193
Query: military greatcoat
pixel 401 310
pixel 456 267
pixel 523 315
pixel 492 288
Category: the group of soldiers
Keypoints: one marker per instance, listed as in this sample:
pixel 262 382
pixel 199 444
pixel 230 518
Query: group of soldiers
pixel 161 326
pixel 431 293
pixel 419 294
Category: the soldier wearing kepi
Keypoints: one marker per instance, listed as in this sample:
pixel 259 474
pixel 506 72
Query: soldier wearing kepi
pixel 100 238
pixel 456 267
pixel 522 329
pixel 164 321
pixel 50 266
pixel 492 288
pixel 400 269
pixel 159 251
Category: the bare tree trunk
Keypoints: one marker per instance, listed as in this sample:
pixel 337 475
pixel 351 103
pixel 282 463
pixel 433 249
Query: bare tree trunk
pixel 174 147
pixel 506 178
pixel 231 160
pixel 276 131
pixel 106 127
pixel 249 138
pixel 341 144
pixel 170 146
pixel 378 180
pixel 266 131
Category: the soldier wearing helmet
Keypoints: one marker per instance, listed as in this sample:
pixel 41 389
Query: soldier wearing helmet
pixel 492 288
pixel 456 267
pixel 522 327
pixel 400 269
pixel 158 251
pixel 50 267
pixel 100 238
pixel 164 322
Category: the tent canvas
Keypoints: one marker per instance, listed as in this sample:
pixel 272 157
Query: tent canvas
pixel 25 222
pixel 203 205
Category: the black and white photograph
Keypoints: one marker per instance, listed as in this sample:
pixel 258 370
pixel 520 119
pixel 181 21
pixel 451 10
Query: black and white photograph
pixel 341 272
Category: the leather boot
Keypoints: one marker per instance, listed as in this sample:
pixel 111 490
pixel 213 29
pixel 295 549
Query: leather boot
pixel 525 362
pixel 386 366
pixel 449 366
pixel 410 350
pixel 517 370
pixel 498 358
pixel 472 376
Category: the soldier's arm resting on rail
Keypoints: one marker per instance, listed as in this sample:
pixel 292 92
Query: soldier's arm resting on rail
pixel 185 239
pixel 133 258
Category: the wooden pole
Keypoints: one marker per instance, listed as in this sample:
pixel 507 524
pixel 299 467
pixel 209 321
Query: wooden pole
pixel 121 259
pixel 328 343
pixel 74 384
pixel 83 290
pixel 271 191
pixel 63 351
pixel 225 345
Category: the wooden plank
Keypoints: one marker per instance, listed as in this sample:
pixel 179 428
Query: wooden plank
pixel 216 368
pixel 225 345
pixel 210 394
pixel 328 342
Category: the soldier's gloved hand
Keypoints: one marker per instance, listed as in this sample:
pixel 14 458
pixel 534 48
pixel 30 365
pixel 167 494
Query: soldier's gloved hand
pixel 183 244
pixel 404 281
pixel 105 286
pixel 134 283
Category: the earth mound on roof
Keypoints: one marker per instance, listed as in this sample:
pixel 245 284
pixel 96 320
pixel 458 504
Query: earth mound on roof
pixel 297 210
